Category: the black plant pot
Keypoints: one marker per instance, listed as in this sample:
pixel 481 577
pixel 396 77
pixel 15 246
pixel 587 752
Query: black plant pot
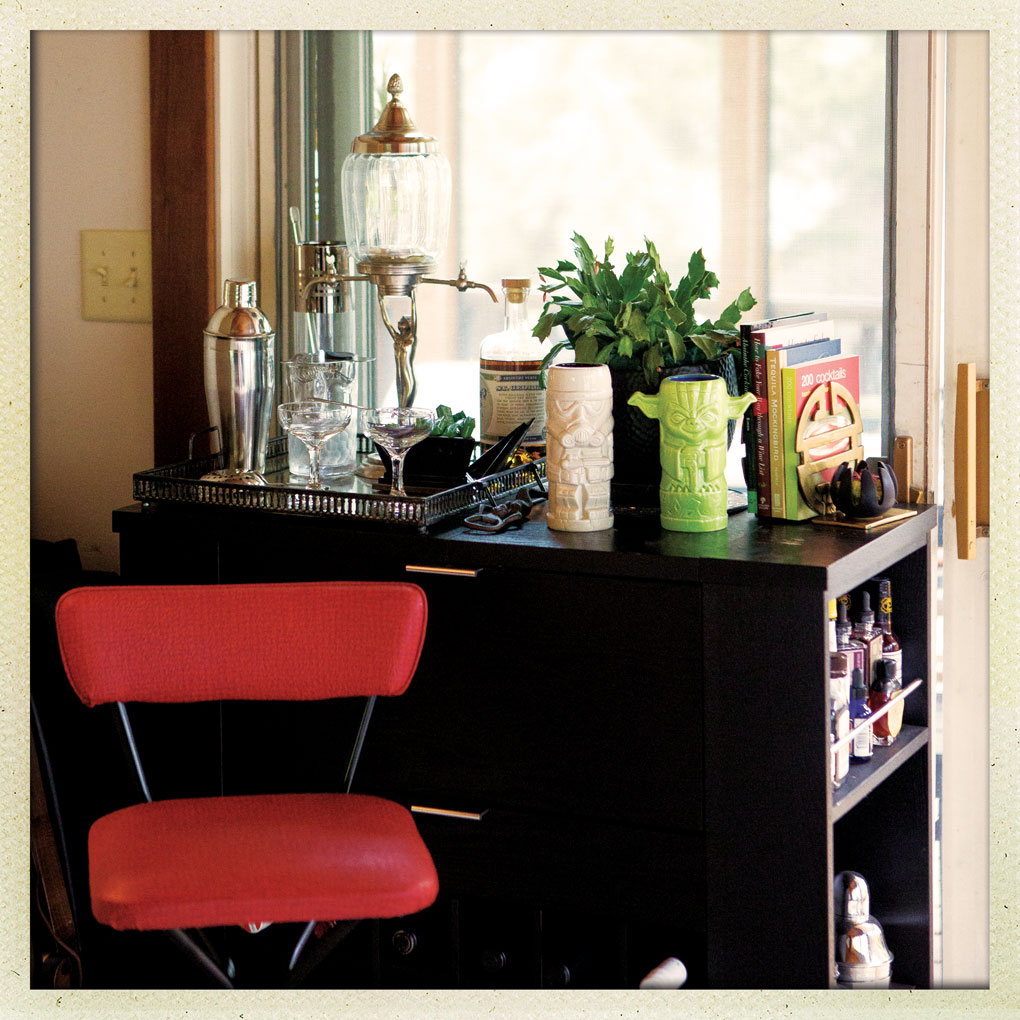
pixel 636 470
pixel 436 462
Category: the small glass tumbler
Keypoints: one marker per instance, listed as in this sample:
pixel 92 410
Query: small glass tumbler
pixel 306 378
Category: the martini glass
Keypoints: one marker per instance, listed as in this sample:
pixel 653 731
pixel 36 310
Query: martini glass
pixel 313 422
pixel 396 430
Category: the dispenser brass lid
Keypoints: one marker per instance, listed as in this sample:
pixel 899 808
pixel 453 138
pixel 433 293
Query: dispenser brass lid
pixel 396 131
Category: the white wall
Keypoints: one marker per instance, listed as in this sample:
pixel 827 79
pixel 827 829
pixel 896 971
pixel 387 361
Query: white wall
pixel 91 381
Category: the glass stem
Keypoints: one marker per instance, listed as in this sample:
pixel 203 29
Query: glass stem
pixel 313 464
pixel 397 463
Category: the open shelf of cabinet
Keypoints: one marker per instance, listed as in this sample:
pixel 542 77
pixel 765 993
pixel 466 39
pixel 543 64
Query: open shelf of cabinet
pixel 865 776
pixel 640 719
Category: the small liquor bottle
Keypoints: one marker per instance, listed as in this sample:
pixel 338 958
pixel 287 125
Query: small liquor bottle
pixel 884 688
pixel 509 371
pixel 871 638
pixel 891 648
pixel 839 717
pixel 853 649
pixel 861 747
pixel 832 625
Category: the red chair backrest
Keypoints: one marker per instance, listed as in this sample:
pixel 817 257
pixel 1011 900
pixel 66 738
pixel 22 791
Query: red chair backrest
pixel 290 642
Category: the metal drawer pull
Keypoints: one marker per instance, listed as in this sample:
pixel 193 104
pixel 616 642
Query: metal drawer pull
pixel 414 568
pixel 471 816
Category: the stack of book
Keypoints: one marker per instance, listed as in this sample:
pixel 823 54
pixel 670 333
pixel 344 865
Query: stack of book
pixel 783 361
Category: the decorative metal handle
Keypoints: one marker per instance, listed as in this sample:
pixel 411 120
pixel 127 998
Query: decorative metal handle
pixel 415 568
pixel 970 460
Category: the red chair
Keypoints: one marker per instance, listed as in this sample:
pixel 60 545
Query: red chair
pixel 243 860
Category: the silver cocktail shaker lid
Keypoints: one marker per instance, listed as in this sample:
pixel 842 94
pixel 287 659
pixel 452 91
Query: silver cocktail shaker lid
pixel 851 898
pixel 239 316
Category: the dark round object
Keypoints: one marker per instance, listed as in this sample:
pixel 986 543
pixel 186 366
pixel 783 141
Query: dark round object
pixel 875 476
pixel 635 435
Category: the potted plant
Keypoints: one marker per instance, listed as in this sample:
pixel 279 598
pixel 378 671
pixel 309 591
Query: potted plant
pixel 644 328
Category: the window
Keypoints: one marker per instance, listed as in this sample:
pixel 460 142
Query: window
pixel 765 150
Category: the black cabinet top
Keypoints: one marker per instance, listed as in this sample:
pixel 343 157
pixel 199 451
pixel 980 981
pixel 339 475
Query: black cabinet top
pixel 750 550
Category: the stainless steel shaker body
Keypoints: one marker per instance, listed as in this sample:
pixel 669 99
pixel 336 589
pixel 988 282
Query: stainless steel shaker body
pixel 240 379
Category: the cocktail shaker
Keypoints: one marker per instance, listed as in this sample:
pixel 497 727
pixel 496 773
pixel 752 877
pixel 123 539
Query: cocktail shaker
pixel 863 959
pixel 240 378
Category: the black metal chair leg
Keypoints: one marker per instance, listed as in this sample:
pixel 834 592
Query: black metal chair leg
pixel 312 957
pixel 198 955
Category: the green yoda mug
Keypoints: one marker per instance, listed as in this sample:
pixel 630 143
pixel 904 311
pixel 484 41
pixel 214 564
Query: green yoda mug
pixel 693 412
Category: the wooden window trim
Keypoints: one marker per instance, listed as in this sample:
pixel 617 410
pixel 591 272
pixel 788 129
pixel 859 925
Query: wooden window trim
pixel 182 145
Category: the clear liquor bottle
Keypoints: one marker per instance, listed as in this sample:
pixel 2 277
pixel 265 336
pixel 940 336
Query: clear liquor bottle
pixel 509 376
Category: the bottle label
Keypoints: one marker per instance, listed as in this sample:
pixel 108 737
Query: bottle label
pixel 885 605
pixel 508 397
pixel 862 741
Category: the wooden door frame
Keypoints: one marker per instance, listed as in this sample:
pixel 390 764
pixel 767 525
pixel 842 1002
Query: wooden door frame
pixel 183 161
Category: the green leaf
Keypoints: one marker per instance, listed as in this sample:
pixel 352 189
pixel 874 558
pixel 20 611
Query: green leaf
pixel 585 348
pixel 565 267
pixel 626 346
pixel 652 361
pixel 605 355
pixel 676 345
pixel 696 266
pixel 544 325
pixel 636 325
pixel 632 280
pixel 706 344
pixel 584 253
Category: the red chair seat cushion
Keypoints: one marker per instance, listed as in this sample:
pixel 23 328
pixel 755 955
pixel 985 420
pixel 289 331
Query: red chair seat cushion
pixel 234 860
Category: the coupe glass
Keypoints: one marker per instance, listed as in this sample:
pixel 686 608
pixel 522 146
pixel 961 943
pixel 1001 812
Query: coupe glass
pixel 396 430
pixel 313 422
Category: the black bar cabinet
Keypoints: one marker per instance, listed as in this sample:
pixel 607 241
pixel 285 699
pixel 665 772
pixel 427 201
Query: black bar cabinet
pixel 616 742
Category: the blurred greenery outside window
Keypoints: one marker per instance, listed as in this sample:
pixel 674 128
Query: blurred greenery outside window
pixel 768 151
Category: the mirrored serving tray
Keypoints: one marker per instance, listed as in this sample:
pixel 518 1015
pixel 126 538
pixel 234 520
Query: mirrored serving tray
pixel 350 498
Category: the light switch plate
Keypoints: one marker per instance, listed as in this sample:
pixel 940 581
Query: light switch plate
pixel 116 275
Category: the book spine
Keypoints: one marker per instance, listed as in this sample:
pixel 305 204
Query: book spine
pixel 759 416
pixel 775 432
pixel 747 425
pixel 796 508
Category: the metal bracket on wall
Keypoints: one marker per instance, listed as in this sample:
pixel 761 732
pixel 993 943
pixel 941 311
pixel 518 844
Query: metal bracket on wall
pixel 970 456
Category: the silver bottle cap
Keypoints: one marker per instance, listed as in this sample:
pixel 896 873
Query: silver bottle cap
pixel 239 315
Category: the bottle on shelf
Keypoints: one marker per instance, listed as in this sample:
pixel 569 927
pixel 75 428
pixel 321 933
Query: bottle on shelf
pixel 872 639
pixel 832 625
pixel 846 643
pixel 839 717
pixel 884 688
pixel 509 370
pixel 891 647
pixel 862 745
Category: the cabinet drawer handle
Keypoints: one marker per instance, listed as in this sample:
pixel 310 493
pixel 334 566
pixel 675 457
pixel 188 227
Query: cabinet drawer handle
pixel 414 568
pixel 471 816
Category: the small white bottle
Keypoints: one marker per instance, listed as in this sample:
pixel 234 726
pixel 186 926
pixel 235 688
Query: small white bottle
pixel 509 369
